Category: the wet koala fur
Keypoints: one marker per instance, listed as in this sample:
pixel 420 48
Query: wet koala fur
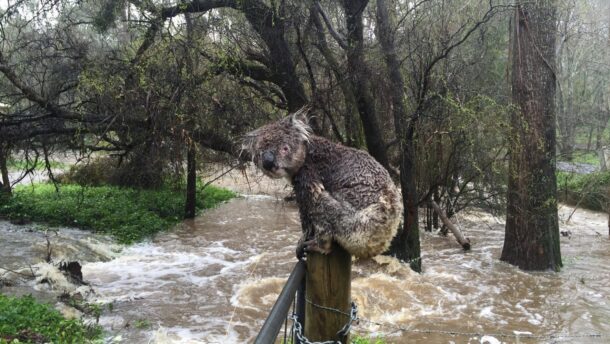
pixel 343 193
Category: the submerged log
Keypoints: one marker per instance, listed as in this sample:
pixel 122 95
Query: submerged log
pixel 459 236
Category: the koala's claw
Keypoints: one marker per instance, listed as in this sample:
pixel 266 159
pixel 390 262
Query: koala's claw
pixel 311 246
pixel 316 189
pixel 301 250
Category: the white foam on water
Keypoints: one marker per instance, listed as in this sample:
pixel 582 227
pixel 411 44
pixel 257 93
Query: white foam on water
pixel 50 274
pixel 144 268
pixel 489 340
pixel 486 312
pixel 259 197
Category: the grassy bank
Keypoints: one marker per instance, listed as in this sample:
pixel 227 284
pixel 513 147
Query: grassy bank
pixel 23 320
pixel 587 190
pixel 129 215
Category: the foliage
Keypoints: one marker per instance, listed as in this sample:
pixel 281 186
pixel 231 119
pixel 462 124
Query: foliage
pixel 23 320
pixel 129 215
pixel 356 339
pixel 465 151
pixel 587 190
pixel 586 157
pixel 95 173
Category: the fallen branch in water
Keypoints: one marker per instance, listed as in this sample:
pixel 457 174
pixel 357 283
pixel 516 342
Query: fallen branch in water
pixel 465 242
pixel 18 273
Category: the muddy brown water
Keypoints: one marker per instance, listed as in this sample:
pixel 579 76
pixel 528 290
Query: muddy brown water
pixel 214 280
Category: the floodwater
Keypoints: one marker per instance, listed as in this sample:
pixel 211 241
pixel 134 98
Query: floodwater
pixel 214 280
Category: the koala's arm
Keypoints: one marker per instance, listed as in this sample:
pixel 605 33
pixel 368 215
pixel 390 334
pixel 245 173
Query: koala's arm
pixel 327 214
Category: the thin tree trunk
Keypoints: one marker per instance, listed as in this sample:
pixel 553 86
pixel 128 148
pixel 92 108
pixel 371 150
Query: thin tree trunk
pixel 4 155
pixel 190 208
pixel 191 155
pixel 360 80
pixel 590 138
pixel 532 230
pixel 437 199
pixel 353 127
pixel 405 245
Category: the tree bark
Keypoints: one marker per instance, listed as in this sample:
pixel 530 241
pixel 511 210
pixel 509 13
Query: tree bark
pixel 271 27
pixel 360 80
pixel 190 208
pixel 5 186
pixel 405 245
pixel 353 127
pixel 532 230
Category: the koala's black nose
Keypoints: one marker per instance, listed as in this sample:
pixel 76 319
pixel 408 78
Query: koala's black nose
pixel 268 160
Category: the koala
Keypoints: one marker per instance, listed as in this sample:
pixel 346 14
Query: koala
pixel 343 194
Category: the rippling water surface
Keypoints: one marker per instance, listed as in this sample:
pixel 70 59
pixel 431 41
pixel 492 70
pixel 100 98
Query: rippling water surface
pixel 215 279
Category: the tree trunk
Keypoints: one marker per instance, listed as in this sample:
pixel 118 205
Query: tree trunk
pixel 191 183
pixel 437 199
pixel 5 186
pixel 353 127
pixel 360 80
pixel 271 26
pixel 405 245
pixel 191 155
pixel 532 230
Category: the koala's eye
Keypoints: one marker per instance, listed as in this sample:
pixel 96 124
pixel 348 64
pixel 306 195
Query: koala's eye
pixel 285 149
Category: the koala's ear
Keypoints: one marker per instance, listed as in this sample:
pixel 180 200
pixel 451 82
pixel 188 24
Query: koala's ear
pixel 299 121
pixel 301 115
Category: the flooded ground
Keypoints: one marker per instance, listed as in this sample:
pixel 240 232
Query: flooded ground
pixel 215 278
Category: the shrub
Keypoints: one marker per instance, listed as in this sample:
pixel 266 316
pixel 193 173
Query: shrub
pixel 24 320
pixel 95 173
pixel 587 190
pixel 110 171
pixel 129 215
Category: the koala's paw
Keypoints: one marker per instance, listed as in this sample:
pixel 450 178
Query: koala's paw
pixel 314 245
pixel 316 189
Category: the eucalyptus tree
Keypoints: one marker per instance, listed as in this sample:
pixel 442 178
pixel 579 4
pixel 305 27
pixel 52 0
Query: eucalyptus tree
pixel 532 230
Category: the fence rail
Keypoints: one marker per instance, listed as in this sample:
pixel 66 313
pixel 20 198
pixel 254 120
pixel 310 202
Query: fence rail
pixel 279 312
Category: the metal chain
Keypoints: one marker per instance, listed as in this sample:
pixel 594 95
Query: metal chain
pixel 297 328
pixel 298 331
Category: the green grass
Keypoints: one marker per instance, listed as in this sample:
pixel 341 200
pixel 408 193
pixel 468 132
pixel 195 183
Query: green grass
pixel 588 190
pixel 586 157
pixel 23 320
pixel 356 339
pixel 129 215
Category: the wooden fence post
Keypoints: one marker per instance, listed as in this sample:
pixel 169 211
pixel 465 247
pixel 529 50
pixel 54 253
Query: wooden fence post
pixel 328 284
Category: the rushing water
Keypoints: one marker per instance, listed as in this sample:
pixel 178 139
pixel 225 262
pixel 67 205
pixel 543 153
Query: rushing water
pixel 214 280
